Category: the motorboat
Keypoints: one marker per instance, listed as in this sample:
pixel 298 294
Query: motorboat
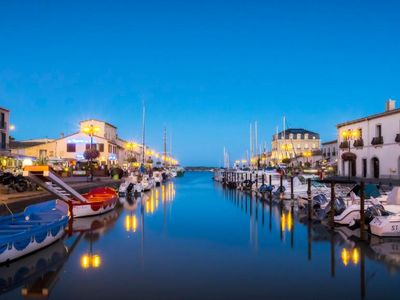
pixel 147 183
pixel 158 179
pixel 129 186
pixel 388 223
pixel 98 201
pixel 36 227
pixel 373 200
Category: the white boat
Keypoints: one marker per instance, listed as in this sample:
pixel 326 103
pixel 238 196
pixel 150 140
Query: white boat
pixel 388 225
pixel 128 186
pixel 158 179
pixel 147 183
pixel 352 211
pixel 99 201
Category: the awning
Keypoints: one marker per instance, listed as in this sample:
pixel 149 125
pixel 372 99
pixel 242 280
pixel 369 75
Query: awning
pixel 347 156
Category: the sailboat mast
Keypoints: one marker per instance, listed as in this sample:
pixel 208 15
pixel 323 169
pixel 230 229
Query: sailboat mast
pixel 256 137
pixel 165 146
pixel 143 133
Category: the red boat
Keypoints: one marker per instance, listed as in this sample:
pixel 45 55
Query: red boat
pixel 99 200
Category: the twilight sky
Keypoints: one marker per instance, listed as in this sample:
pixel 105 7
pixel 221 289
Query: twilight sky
pixel 205 69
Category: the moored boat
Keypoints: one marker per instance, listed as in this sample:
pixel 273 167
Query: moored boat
pixel 98 201
pixel 36 227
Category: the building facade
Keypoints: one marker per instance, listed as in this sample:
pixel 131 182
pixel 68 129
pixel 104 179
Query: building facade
pixel 330 151
pixel 93 133
pixel 4 131
pixel 370 146
pixel 292 143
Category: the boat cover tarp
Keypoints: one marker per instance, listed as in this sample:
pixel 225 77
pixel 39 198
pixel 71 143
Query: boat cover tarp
pixel 370 191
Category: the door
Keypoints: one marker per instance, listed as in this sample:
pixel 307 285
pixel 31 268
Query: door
pixel 353 168
pixel 375 167
pixel 364 167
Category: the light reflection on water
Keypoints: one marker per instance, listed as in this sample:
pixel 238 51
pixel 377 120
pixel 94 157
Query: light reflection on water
pixel 190 238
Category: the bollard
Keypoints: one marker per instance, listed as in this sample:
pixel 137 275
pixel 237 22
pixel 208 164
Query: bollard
pixel 291 188
pixel 362 210
pixel 332 204
pixel 309 199
pixel 270 179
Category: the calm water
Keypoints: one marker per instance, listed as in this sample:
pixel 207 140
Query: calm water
pixel 193 239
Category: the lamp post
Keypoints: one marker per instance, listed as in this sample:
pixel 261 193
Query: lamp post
pixel 348 135
pixel 307 154
pixel 91 130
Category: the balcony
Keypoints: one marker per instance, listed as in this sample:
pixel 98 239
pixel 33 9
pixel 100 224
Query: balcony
pixel 376 141
pixel 397 139
pixel 3 125
pixel 358 143
pixel 344 145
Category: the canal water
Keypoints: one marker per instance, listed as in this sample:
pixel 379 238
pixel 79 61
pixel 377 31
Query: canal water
pixel 192 239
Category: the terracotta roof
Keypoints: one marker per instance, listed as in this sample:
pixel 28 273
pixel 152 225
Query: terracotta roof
pixel 2 108
pixel 371 117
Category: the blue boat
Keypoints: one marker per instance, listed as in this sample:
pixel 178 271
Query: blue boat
pixel 38 226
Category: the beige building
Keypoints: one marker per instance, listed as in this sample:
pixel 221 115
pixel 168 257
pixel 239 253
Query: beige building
pixel 294 142
pixel 101 135
pixel 4 131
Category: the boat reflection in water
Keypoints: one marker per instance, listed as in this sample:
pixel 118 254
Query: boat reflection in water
pixel 35 273
pixel 347 250
pixel 92 229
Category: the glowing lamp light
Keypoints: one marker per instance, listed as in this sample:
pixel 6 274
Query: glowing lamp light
pixel 90 261
pixel 352 255
pixel 12 127
pixel 131 223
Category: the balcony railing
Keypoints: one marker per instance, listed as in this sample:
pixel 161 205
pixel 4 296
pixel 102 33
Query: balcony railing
pixel 377 141
pixel 344 145
pixel 397 139
pixel 3 125
pixel 359 143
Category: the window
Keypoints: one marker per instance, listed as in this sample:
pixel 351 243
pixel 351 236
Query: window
pixel 378 130
pixel 3 141
pixel 42 153
pixel 313 145
pixel 100 147
pixel 313 137
pixel 306 136
pixel 291 136
pixel 109 148
pixel 305 146
pixel 299 136
pixel 71 147
pixel 360 132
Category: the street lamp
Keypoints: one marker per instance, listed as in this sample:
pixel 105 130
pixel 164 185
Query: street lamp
pixel 307 154
pixel 348 135
pixel 91 130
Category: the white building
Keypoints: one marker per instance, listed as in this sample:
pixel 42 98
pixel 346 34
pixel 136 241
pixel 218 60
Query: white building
pixel 330 151
pixel 374 143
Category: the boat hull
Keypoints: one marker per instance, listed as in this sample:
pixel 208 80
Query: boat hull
pixel 91 209
pixel 387 226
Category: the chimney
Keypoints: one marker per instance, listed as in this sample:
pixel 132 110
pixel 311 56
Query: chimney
pixel 62 134
pixel 390 105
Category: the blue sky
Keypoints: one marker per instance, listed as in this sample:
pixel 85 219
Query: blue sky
pixel 205 69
